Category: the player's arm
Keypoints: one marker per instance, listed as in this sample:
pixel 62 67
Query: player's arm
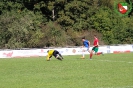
pixel 89 43
pixel 48 57
pixel 97 43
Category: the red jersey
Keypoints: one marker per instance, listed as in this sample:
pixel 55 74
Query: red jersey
pixel 95 43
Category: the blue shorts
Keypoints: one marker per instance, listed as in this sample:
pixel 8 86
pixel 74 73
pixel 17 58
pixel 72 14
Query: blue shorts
pixel 85 48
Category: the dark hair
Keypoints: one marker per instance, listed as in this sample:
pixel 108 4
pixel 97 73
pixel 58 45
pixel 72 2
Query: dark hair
pixel 95 35
pixel 83 37
pixel 47 51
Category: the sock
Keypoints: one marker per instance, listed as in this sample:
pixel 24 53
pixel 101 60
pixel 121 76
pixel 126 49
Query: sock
pixel 99 53
pixel 91 55
pixel 60 55
pixel 83 55
pixel 59 58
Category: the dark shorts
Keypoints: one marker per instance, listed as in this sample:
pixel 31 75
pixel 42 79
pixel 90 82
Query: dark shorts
pixel 55 53
pixel 95 49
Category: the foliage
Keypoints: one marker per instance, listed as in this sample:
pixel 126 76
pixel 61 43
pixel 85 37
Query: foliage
pixel 38 23
pixel 53 35
pixel 18 27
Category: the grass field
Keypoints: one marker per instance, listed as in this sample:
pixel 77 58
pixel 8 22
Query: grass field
pixel 108 71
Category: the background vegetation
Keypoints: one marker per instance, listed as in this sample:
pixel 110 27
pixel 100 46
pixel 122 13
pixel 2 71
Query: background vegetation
pixel 40 23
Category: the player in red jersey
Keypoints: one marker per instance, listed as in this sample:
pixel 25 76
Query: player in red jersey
pixel 95 47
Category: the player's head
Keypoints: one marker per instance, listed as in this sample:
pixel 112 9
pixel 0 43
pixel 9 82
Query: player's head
pixel 95 36
pixel 47 51
pixel 83 39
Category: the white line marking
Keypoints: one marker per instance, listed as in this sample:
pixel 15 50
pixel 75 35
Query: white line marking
pixel 118 87
pixel 116 61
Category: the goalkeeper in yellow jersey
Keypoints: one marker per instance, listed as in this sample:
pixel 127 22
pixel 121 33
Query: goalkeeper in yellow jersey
pixel 54 53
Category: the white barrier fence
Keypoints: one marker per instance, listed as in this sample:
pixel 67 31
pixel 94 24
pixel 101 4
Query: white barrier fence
pixel 63 51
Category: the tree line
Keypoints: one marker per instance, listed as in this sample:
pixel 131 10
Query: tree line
pixel 40 23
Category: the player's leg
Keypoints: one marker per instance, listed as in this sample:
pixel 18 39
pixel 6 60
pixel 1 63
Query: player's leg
pixel 91 52
pixel 82 50
pixel 61 56
pixel 88 50
pixel 96 51
pixel 56 55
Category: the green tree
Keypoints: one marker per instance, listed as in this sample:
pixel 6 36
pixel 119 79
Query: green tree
pixel 19 27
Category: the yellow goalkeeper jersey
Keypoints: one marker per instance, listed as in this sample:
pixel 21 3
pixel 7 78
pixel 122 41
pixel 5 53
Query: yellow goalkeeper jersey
pixel 50 53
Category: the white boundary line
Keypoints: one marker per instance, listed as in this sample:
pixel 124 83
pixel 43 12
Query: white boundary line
pixel 118 87
pixel 116 61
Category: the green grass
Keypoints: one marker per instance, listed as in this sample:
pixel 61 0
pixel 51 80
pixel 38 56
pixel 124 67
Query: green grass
pixel 108 71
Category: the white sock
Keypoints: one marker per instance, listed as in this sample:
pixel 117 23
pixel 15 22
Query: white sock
pixel 83 54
